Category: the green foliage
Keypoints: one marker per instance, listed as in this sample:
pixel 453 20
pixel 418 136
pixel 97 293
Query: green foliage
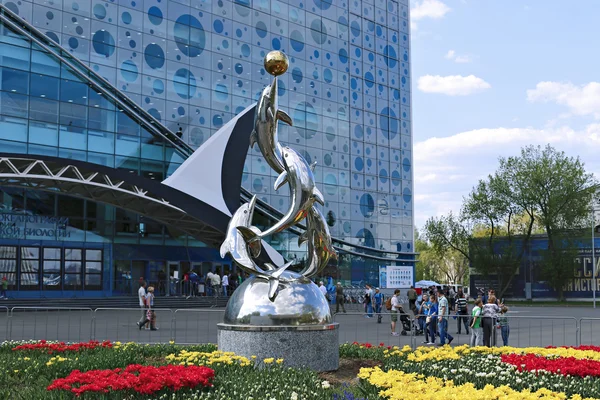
pixel 540 191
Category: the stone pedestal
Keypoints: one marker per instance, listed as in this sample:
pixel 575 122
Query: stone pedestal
pixel 311 346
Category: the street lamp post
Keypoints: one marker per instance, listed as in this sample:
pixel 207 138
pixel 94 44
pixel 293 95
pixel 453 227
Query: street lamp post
pixel 594 279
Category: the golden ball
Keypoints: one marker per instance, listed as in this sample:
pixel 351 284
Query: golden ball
pixel 276 63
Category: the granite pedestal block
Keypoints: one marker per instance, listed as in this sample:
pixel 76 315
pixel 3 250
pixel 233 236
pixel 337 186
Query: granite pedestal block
pixel 315 347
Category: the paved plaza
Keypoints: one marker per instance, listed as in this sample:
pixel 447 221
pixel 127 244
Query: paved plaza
pixel 529 326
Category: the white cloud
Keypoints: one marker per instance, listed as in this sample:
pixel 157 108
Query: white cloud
pixel 451 55
pixel 434 9
pixel 462 59
pixel 580 100
pixel 454 85
pixel 447 168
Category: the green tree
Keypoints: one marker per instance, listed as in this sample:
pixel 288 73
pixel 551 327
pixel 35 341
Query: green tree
pixel 561 191
pixel 427 259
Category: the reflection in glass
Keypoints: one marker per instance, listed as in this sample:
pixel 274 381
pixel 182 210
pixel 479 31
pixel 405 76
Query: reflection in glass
pixel 73 254
pixel 93 255
pixel 93 267
pixel 72 281
pixel 30 273
pixel 93 280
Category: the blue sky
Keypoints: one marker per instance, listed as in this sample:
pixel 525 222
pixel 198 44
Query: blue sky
pixel 492 76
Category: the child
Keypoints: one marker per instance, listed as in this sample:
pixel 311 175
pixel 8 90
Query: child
pixel 504 328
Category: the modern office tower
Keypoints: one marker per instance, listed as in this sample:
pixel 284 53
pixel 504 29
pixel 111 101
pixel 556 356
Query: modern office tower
pixel 136 86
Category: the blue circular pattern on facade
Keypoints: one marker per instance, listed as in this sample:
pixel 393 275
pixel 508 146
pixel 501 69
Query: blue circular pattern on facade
pixel 406 164
pixel 323 4
pixel 189 35
pixel 389 56
pixel 343 54
pixel 261 29
pixel 297 41
pixel 297 75
pixel 129 71
pixel 355 29
pixel 318 31
pixel 103 43
pixel 155 15
pixel 184 83
pixel 366 236
pixel 73 42
pixel 218 26
pixel 154 56
pixel 158 86
pixel 99 11
pixel 221 92
pixel 359 164
pixel 367 205
pixel 126 18
pixel 389 123
pixel 406 195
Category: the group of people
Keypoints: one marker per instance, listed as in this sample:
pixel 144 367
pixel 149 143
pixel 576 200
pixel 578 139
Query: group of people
pixel 213 283
pixel 432 311
pixel 146 298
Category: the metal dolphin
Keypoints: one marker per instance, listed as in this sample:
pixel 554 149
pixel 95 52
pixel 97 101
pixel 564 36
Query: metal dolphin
pixel 265 127
pixel 299 175
pixel 320 248
pixel 234 243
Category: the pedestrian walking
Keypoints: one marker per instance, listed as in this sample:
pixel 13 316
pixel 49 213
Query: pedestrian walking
pixel 339 298
pixel 444 312
pixel 150 313
pixel 432 319
pixel 369 301
pixel 378 298
pixel 322 288
pixel 225 284
pixel 3 295
pixel 462 311
pixel 476 329
pixel 395 311
pixel 423 311
pixel 142 301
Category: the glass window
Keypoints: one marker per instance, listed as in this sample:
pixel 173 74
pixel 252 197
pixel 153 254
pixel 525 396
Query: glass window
pixel 8 263
pixel 30 252
pixel 93 267
pixel 44 86
pixel 30 270
pixel 15 105
pixel 93 255
pixel 73 254
pixel 43 109
pixel 51 253
pixel 15 81
pixel 93 280
pixel 72 281
pixel 73 92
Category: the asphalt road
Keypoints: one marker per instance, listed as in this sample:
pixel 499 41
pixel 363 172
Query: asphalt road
pixel 529 326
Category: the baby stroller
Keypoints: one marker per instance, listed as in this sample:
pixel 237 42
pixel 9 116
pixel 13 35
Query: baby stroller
pixel 406 322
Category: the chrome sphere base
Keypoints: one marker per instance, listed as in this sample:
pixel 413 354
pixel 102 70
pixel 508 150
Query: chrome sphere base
pixel 308 346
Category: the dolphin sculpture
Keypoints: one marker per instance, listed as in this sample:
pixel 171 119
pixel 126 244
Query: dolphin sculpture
pixel 299 175
pixel 234 244
pixel 320 247
pixel 265 127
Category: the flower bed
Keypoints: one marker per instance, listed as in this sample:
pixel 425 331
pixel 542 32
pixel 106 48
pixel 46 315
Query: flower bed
pixel 94 370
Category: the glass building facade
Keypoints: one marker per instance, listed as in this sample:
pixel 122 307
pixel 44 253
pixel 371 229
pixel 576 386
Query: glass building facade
pixel 193 65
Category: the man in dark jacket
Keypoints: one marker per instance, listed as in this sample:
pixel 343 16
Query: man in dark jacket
pixel 339 298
